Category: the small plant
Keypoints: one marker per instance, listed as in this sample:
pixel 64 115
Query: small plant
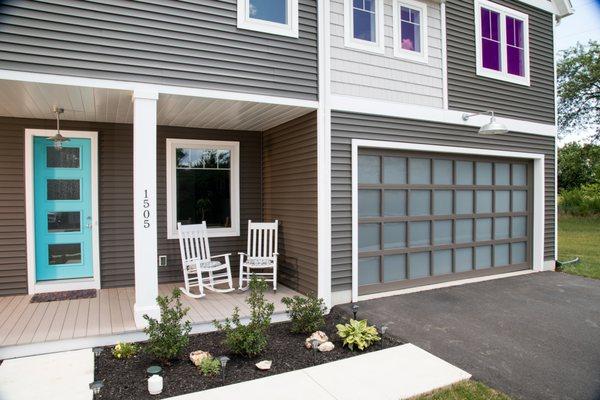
pixel 357 333
pixel 168 337
pixel 125 350
pixel 209 366
pixel 249 340
pixel 306 313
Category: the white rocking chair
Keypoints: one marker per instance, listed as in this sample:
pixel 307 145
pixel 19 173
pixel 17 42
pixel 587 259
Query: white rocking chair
pixel 197 261
pixel 262 254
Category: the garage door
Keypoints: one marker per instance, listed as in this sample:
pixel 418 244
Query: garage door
pixel 426 218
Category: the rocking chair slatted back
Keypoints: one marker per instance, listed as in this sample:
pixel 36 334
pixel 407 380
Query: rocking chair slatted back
pixel 193 242
pixel 262 239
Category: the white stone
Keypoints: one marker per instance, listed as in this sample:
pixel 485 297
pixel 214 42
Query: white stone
pixel 264 365
pixel 197 356
pixel 319 335
pixel 326 346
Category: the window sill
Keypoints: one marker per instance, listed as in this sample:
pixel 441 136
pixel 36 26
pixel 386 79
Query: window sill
pixel 501 76
pixel 273 29
pixel 411 56
pixel 368 47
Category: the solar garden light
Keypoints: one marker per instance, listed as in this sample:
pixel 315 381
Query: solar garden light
pixel 354 309
pixel 315 345
pixel 155 384
pixel 153 370
pixel 97 351
pixel 223 360
pixel 383 330
pixel 96 386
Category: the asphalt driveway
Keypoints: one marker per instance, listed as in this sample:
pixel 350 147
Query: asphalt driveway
pixel 533 336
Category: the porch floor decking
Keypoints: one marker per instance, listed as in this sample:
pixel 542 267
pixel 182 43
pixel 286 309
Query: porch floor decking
pixel 109 313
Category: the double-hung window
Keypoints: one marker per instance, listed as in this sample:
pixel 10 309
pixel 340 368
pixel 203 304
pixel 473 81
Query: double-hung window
pixel 278 17
pixel 410 30
pixel 203 185
pixel 502 42
pixel 363 25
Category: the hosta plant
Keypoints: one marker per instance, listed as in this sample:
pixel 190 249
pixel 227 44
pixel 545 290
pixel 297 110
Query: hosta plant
pixel 357 333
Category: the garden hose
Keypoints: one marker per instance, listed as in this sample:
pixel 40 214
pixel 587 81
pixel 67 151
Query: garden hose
pixel 563 263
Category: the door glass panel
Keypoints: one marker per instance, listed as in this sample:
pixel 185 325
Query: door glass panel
pixel 369 169
pixel 483 257
pixel 464 259
pixel 483 173
pixel 418 203
pixel 464 230
pixel 368 270
pixel 69 253
pixel 368 237
pixel 442 232
pixel 501 255
pixel 394 170
pixel 394 202
pixel 519 227
pixel 369 203
pixel 442 172
pixel 501 228
pixel 483 228
pixel 64 221
pixel 464 202
pixel 442 202
pixel 394 268
pixel 63 189
pixel 394 235
pixel 419 171
pixel 502 174
pixel 484 201
pixel 67 157
pixel 418 265
pixel 519 201
pixel 518 251
pixel 442 262
pixel 419 234
pixel 519 176
pixel 464 172
pixel 502 201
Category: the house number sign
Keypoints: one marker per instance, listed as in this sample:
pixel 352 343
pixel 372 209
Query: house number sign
pixel 146 212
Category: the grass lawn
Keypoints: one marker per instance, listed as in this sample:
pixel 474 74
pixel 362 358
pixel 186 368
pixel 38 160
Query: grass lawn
pixel 468 390
pixel 580 237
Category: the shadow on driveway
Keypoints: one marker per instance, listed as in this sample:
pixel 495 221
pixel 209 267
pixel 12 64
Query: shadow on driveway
pixel 532 336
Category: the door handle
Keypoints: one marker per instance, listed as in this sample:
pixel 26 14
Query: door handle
pixel 89 223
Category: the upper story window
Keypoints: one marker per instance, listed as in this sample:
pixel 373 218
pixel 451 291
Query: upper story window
pixel 502 42
pixel 278 17
pixel 410 30
pixel 363 25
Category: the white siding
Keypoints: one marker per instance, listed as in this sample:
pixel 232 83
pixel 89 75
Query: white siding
pixel 385 77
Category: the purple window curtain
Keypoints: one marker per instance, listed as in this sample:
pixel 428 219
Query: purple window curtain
pixel 410 29
pixel 490 39
pixel 515 46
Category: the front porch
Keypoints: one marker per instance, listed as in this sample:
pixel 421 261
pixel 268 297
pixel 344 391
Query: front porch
pixel 34 328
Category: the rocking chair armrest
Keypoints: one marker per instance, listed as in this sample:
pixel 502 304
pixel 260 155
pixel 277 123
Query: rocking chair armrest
pixel 242 254
pixel 221 255
pixel 275 254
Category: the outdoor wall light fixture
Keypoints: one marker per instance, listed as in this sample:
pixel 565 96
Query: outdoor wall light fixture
pixel 354 310
pixel 223 360
pixel 491 128
pixel 315 346
pixel 96 386
pixel 57 138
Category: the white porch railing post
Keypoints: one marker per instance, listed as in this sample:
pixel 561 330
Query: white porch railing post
pixel 144 206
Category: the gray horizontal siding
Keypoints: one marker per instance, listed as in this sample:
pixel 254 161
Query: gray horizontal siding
pixel 187 43
pixel 347 126
pixel 470 92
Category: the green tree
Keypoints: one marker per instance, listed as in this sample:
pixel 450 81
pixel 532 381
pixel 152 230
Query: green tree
pixel 578 165
pixel 578 78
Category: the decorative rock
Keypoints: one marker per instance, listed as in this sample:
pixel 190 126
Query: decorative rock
pixel 197 356
pixel 319 335
pixel 326 346
pixel 264 365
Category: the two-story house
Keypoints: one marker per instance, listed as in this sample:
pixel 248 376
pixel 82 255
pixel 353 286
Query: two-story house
pixel 342 119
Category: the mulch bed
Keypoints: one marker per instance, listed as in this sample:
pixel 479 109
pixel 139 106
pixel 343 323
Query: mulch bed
pixel 126 379
pixel 67 295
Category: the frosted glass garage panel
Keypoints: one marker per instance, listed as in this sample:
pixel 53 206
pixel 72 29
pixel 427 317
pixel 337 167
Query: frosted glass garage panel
pixel 394 202
pixel 368 270
pixel 419 202
pixel 483 257
pixel 483 229
pixel 442 232
pixel 394 170
pixel 501 228
pixel 464 202
pixel 484 201
pixel 519 201
pixel 369 169
pixel 464 172
pixel 501 255
pixel 483 173
pixel 442 172
pixel 502 174
pixel 419 171
pixel 394 268
pixel 502 201
pixel 518 252
pixel 464 259
pixel 419 234
pixel 369 203
pixel 394 235
pixel 369 237
pixel 418 265
pixel 442 262
pixel 519 227
pixel 442 202
pixel 464 230
pixel 519 174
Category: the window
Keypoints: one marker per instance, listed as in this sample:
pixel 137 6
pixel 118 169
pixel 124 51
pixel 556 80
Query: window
pixel 502 42
pixel 278 17
pixel 363 25
pixel 203 185
pixel 410 30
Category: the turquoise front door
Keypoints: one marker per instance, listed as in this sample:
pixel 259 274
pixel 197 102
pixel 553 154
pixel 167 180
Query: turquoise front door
pixel 63 209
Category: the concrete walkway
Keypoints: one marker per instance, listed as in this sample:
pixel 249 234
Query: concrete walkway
pixel 395 373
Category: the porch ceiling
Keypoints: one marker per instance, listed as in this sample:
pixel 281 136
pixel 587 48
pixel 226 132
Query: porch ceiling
pixel 35 100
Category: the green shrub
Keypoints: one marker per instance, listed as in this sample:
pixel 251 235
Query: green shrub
pixel 357 333
pixel 125 350
pixel 209 366
pixel 306 313
pixel 249 340
pixel 583 201
pixel 168 337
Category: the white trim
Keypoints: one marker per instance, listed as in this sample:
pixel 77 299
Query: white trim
pixel 421 56
pixel 147 87
pixel 234 147
pixel 244 21
pixel 60 284
pixel 503 74
pixel 363 45
pixel 554 24
pixel 365 105
pixel 444 56
pixel 538 192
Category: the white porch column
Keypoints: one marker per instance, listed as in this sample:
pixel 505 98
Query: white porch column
pixel 144 206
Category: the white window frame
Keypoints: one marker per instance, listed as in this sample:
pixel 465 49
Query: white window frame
pixel 503 73
pixel 234 147
pixel 244 21
pixel 421 56
pixel 378 46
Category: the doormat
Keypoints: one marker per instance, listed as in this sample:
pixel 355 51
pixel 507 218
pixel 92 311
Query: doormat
pixel 68 295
